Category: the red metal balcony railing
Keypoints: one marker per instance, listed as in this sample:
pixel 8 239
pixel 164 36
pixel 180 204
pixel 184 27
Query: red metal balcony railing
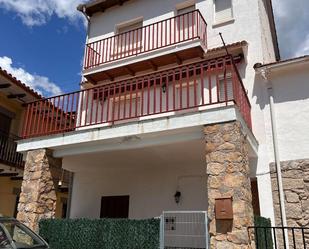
pixel 178 29
pixel 8 153
pixel 208 83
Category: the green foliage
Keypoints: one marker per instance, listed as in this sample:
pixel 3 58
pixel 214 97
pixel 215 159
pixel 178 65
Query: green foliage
pixel 263 237
pixel 101 233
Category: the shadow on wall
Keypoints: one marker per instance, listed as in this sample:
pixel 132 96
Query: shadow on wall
pixel 288 86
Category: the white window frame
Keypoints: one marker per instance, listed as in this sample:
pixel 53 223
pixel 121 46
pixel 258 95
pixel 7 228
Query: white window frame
pixel 223 21
pixel 128 24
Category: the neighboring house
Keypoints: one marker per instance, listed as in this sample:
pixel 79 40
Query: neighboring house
pixel 165 119
pixel 288 87
pixel 13 95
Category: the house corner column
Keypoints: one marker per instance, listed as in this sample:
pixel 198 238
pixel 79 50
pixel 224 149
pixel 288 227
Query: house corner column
pixel 38 191
pixel 228 176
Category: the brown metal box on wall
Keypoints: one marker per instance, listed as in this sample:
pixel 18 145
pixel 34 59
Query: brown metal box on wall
pixel 224 208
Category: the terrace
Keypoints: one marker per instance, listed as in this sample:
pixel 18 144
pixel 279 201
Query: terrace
pixel 189 88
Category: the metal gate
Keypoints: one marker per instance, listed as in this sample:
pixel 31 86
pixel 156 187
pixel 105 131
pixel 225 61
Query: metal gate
pixel 184 230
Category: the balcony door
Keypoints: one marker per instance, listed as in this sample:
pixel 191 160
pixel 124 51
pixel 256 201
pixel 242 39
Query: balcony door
pixel 129 39
pixel 186 22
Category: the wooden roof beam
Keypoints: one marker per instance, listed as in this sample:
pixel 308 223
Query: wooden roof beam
pixel 130 71
pixel 6 85
pixel 154 66
pixel 8 174
pixel 17 95
pixel 178 59
pixel 16 178
pixel 111 78
pixel 201 53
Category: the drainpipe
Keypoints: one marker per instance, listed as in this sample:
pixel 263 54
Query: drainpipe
pixel 265 75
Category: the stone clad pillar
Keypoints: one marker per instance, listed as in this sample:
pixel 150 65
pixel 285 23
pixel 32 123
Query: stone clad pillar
pixel 228 176
pixel 38 191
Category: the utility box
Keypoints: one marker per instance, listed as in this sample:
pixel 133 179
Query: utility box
pixel 224 208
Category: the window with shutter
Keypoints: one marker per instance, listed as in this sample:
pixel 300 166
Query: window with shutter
pixel 129 39
pixel 186 22
pixel 225 88
pixel 223 11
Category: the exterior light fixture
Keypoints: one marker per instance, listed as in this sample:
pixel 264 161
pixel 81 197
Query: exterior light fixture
pixel 177 196
pixel 61 179
pixel 164 88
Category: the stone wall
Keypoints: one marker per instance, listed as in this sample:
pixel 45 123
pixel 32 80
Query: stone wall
pixel 295 180
pixel 228 176
pixel 38 191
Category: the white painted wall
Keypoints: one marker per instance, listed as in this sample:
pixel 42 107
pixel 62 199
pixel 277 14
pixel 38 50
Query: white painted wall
pixel 290 89
pixel 249 24
pixel 291 103
pixel 150 176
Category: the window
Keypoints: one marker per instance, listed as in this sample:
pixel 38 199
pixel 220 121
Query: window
pixel 129 38
pixel 184 10
pixel 115 207
pixel 186 22
pixel 228 93
pixel 223 11
pixel 125 106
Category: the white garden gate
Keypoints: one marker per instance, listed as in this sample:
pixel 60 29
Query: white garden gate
pixel 184 230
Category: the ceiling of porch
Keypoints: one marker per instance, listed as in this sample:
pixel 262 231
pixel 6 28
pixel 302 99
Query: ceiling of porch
pixel 181 154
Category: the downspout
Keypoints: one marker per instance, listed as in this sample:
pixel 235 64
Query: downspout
pixel 265 75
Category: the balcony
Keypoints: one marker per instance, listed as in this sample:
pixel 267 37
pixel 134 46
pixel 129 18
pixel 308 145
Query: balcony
pixel 8 153
pixel 161 36
pixel 188 88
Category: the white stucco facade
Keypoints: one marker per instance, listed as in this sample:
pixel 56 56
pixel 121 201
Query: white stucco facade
pixel 250 22
pixel 150 176
pixel 84 151
pixel 289 83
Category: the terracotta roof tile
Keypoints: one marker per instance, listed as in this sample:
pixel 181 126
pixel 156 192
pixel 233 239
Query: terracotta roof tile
pixel 18 83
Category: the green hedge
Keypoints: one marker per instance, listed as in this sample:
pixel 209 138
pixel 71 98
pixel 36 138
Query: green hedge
pixel 260 235
pixel 101 233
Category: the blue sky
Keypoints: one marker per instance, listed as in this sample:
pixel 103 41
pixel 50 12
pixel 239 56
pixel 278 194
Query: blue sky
pixel 53 50
pixel 44 40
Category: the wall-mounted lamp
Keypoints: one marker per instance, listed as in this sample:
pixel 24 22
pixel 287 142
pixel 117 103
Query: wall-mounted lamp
pixel 61 179
pixel 177 196
pixel 164 87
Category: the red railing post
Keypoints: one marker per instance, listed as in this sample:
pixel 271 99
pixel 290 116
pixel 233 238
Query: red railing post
pixel 145 39
pixel 176 89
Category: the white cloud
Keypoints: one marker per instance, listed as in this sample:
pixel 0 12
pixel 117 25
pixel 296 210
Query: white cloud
pixel 303 49
pixel 292 26
pixel 39 83
pixel 38 12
